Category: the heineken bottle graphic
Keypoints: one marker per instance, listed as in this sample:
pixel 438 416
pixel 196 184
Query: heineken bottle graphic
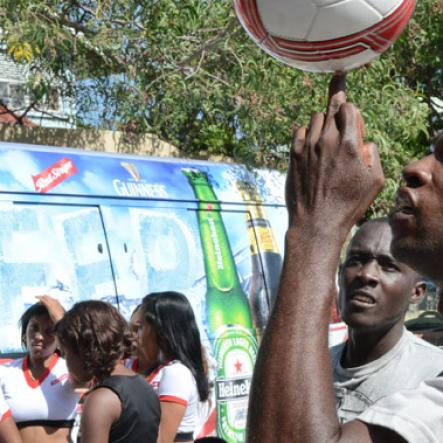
pixel 228 315
pixel 265 257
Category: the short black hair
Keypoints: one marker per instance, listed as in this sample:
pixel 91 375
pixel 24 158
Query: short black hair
pixel 34 310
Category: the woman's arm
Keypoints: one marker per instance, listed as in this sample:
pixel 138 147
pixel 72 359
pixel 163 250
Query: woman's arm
pixel 102 408
pixel 171 417
pixel 9 432
pixel 175 390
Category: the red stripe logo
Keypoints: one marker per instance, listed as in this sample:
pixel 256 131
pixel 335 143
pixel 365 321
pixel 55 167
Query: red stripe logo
pixel 54 175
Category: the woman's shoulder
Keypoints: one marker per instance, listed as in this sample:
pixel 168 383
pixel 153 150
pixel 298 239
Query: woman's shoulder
pixel 177 370
pixel 122 380
pixel 176 366
pixel 102 399
pixel 126 386
pixel 60 363
pixel 11 366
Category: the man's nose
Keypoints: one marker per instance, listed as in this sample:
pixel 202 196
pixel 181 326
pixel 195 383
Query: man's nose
pixel 369 273
pixel 417 173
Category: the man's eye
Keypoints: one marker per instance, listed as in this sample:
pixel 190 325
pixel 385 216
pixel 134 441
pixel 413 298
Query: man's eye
pixel 389 266
pixel 352 261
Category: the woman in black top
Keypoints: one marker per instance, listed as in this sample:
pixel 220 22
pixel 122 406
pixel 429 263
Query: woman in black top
pixel 121 407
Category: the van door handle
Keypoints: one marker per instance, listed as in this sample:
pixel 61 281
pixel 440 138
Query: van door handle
pixel 100 248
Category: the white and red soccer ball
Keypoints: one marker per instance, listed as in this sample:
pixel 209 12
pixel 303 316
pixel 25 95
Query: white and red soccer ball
pixel 324 35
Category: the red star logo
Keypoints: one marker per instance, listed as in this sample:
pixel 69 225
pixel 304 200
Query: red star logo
pixel 238 366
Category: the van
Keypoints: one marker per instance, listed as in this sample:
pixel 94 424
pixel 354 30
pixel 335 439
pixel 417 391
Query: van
pixel 82 225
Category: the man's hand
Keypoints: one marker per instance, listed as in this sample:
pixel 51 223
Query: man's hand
pixel 333 175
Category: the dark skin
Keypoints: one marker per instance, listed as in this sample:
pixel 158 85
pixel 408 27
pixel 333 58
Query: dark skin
pixel 135 322
pixel 102 406
pixel 416 220
pixel 41 345
pixel 375 292
pixel 333 177
pixel 9 432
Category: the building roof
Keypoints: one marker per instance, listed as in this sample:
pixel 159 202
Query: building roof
pixel 11 118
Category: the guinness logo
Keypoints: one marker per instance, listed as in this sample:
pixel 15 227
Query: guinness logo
pixel 132 169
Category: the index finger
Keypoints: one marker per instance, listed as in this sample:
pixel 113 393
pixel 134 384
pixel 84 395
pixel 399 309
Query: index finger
pixel 337 93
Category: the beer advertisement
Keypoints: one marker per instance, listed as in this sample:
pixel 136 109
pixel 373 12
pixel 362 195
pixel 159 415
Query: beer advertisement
pixel 81 226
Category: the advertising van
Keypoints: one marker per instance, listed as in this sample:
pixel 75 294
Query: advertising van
pixel 81 225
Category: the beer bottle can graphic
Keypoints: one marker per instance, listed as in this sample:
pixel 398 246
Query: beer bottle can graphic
pixel 235 350
pixel 229 317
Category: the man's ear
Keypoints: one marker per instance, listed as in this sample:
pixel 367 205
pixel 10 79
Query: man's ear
pixel 418 292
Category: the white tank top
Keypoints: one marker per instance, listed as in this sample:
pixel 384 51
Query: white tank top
pixel 48 399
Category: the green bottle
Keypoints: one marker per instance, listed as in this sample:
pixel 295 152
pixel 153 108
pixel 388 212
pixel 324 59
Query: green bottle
pixel 228 315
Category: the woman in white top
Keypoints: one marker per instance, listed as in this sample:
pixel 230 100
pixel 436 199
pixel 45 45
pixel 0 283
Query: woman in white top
pixel 37 388
pixel 170 341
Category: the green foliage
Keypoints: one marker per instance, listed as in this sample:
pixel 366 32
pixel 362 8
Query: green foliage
pixel 186 71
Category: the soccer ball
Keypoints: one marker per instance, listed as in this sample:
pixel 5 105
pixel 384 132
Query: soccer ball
pixel 324 35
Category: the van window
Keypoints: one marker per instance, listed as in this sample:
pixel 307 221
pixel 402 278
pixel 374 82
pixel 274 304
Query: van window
pixel 49 249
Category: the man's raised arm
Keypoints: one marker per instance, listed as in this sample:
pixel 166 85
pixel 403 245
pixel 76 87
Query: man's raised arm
pixel 332 179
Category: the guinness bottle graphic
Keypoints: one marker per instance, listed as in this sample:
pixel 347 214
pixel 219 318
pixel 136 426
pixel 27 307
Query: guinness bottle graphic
pixel 265 257
pixel 228 315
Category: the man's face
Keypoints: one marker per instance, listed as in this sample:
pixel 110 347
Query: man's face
pixel 417 220
pixel 375 289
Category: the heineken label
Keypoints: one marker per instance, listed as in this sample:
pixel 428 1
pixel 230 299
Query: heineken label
pixel 235 351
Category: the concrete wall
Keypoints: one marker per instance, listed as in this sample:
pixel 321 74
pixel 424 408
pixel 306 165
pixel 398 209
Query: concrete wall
pixel 90 139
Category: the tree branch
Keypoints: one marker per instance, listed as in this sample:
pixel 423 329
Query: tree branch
pixel 210 44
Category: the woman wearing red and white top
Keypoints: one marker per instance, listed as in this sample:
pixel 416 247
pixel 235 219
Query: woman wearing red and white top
pixel 36 387
pixel 8 430
pixel 170 341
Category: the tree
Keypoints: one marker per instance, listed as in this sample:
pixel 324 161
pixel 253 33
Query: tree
pixel 186 71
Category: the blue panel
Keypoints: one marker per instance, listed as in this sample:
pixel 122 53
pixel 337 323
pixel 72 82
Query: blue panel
pixel 63 171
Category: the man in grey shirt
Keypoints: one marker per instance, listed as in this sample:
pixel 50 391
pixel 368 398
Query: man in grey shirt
pixel 380 357
pixel 332 179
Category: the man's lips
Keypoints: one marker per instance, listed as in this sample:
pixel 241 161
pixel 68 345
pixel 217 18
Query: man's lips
pixel 362 298
pixel 405 211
